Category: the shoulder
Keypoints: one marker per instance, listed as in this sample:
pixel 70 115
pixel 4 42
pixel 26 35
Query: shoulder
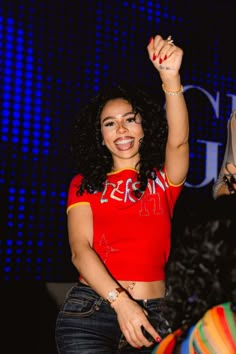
pixel 76 180
pixel 162 175
pixel 75 183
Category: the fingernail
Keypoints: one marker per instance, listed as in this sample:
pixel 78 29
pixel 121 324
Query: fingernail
pixel 165 57
pixel 160 61
pixel 138 347
pixel 151 39
pixel 158 339
pixel 154 57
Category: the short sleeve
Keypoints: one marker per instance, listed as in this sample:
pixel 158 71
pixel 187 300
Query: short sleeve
pixel 74 198
pixel 172 192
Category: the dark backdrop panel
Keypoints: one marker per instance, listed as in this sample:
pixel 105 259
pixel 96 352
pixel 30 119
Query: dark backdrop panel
pixel 55 55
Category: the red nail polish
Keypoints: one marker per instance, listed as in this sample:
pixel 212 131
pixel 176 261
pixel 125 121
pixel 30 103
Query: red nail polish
pixel 158 339
pixel 151 39
pixel 160 61
pixel 165 57
pixel 154 57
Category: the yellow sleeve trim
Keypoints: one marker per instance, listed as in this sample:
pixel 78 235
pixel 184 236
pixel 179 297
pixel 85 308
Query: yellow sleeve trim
pixel 75 204
pixel 172 184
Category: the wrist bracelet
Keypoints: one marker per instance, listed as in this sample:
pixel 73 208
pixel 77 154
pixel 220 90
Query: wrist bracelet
pixel 173 93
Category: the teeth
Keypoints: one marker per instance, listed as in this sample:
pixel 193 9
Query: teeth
pixel 120 142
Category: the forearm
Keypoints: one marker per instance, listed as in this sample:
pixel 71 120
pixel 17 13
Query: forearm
pixel 176 112
pixel 93 271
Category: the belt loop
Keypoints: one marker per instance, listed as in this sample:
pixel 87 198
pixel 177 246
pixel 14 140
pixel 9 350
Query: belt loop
pixel 98 303
pixel 100 300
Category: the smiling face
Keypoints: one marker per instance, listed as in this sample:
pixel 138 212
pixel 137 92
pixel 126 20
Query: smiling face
pixel 122 132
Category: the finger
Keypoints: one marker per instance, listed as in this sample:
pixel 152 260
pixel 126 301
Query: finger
pixel 231 168
pixel 144 336
pixel 155 44
pixel 167 50
pixel 149 331
pixel 165 54
pixel 162 46
pixel 159 45
pixel 150 48
pixel 132 339
pixel 170 40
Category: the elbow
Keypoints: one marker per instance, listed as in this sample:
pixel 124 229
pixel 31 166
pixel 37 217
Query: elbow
pixel 79 255
pixel 183 145
pixel 179 145
pixel 74 259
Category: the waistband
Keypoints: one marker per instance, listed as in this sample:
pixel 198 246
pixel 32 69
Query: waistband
pixel 143 302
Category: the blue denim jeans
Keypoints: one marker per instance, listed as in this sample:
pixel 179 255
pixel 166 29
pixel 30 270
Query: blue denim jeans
pixel 86 324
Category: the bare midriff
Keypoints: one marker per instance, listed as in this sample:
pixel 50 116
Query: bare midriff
pixel 142 290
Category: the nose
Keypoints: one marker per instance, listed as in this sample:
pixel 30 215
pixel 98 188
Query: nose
pixel 121 127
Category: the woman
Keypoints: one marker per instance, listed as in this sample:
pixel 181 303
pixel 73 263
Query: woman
pixel 131 166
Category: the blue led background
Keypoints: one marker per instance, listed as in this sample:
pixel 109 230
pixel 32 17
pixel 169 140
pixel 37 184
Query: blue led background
pixel 55 55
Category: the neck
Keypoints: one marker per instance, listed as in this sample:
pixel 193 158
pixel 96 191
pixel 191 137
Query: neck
pixel 116 168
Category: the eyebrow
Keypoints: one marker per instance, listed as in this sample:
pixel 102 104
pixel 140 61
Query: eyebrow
pixel 114 117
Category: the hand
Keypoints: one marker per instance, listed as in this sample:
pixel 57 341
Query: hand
pixel 230 178
pixel 131 318
pixel 230 169
pixel 165 56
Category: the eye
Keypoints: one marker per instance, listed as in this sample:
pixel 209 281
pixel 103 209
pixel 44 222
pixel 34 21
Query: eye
pixel 134 117
pixel 109 124
pixel 131 119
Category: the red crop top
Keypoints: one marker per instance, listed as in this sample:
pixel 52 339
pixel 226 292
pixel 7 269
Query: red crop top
pixel 131 236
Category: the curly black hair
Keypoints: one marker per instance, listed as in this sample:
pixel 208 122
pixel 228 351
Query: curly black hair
pixel 93 160
pixel 201 272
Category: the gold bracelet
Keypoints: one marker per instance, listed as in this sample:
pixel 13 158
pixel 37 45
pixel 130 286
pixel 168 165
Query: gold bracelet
pixel 173 93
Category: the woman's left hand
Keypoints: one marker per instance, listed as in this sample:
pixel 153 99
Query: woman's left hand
pixel 165 55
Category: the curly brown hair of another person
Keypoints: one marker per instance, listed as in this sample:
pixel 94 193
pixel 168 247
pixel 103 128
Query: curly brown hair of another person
pixel 92 158
pixel 201 271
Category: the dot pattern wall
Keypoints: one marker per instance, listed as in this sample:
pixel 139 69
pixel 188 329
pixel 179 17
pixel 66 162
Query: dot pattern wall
pixel 55 55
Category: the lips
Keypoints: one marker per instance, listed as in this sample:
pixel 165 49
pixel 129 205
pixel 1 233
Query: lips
pixel 123 144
